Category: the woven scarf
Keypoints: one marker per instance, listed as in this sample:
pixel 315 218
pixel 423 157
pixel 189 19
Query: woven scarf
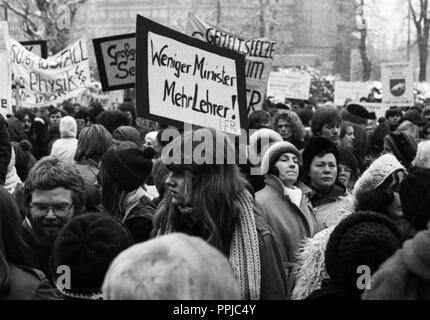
pixel 244 249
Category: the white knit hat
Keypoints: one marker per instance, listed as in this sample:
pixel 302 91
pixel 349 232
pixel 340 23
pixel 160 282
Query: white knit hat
pixel 422 159
pixel 68 127
pixel 376 174
pixel 267 138
pixel 274 152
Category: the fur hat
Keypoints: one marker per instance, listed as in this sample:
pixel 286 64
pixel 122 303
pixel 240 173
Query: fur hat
pixel 87 244
pixel 275 151
pixel 68 127
pixel 316 146
pixel 323 116
pixel 361 239
pixel 376 174
pixel 415 197
pixel 129 167
pixel 416 255
pixel 174 266
pixel 403 146
pixel 415 117
pixel 422 158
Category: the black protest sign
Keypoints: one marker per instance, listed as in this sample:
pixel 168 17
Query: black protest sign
pixel 181 79
pixel 116 61
pixel 38 47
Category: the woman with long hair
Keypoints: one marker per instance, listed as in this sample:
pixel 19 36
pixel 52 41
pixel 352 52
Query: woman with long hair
pixel 121 178
pixel 208 197
pixel 18 281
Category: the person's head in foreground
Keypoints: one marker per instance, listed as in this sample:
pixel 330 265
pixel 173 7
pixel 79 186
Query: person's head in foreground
pixel 171 267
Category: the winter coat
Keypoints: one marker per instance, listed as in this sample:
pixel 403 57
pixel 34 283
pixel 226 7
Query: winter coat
pixel 139 219
pixel 331 207
pixel 290 224
pixel 29 284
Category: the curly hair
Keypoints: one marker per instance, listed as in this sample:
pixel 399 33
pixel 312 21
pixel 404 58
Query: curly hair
pixel 293 121
pixel 51 173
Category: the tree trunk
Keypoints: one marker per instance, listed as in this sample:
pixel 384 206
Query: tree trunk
pixel 262 21
pixel 367 65
pixel 422 45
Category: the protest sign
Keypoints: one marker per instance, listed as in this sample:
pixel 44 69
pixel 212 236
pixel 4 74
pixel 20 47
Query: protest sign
pixel 116 61
pixel 349 90
pixel 38 47
pixel 397 84
pixel 259 56
pixel 183 80
pixel 5 72
pixel 290 85
pixel 53 80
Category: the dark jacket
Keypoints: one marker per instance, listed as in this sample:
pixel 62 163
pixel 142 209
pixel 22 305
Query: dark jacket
pixel 5 150
pixel 29 284
pixel 290 224
pixel 139 220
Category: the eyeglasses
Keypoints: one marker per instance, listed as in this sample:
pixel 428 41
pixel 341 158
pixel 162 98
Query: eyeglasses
pixel 60 210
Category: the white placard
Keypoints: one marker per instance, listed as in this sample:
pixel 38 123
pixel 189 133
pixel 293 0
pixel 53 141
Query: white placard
pixel 290 85
pixel 397 84
pixel 354 91
pixel 5 72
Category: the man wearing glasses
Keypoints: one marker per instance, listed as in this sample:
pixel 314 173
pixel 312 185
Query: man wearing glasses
pixel 54 193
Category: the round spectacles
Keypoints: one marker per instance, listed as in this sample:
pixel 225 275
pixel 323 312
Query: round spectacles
pixel 60 210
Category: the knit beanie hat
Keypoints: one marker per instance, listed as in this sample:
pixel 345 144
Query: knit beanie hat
pixel 316 146
pixel 87 244
pixel 128 167
pixel 126 133
pixel 347 158
pixel 260 141
pixel 68 127
pixel 415 197
pixel 403 146
pixel 362 239
pixel 323 116
pixel 415 117
pixel 376 174
pixel 416 255
pixel 274 152
pixel 172 267
pixel 422 158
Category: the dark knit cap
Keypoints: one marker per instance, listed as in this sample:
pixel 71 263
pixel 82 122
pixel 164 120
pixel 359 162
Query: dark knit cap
pixel 323 116
pixel 360 111
pixel 415 197
pixel 347 158
pixel 415 117
pixel 362 239
pixel 87 244
pixel 317 146
pixel 128 167
pixel 403 146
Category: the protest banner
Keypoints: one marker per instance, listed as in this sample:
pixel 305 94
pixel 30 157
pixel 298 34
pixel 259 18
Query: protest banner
pixel 38 47
pixel 5 71
pixel 397 84
pixel 344 90
pixel 259 56
pixel 289 84
pixel 116 61
pixel 53 80
pixel 184 80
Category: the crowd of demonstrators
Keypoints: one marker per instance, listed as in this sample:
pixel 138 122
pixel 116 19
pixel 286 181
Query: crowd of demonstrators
pixel 323 191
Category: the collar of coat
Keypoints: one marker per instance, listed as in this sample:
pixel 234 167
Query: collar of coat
pixel 276 183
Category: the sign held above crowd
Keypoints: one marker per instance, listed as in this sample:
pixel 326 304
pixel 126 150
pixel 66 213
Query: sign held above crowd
pixel 5 71
pixel 289 85
pixel 397 84
pixel 259 56
pixel 184 80
pixel 116 61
